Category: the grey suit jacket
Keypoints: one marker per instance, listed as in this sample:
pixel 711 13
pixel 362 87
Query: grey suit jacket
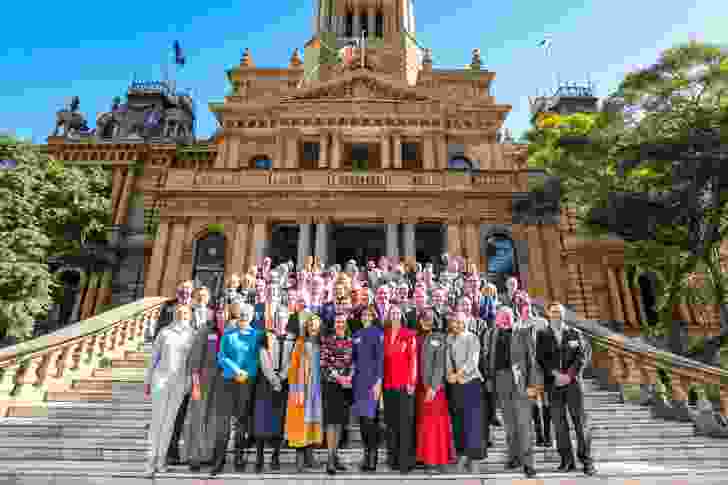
pixel 432 360
pixel 523 358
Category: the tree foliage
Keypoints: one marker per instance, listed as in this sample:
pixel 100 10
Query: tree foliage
pixel 38 199
pixel 687 88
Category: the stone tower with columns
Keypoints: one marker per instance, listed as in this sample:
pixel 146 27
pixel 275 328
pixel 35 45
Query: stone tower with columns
pixel 387 27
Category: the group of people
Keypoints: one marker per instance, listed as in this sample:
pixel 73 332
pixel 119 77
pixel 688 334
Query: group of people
pixel 295 356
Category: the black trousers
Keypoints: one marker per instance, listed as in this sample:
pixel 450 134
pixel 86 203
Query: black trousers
pixel 399 415
pixel 369 432
pixel 488 408
pixel 179 421
pixel 571 397
pixel 542 421
pixel 232 401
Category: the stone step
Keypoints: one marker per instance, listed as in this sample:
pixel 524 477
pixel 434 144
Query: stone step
pixel 42 472
pixel 129 363
pixel 611 452
pixel 81 395
pixel 136 355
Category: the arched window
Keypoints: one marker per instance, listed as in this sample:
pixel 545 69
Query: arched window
pixel 349 26
pixel 649 299
pixel 500 255
pixel 379 24
pixel 262 162
pixel 459 162
pixel 209 262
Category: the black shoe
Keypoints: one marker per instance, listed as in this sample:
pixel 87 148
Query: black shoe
pixel 174 461
pixel 275 460
pixel 393 465
pixel 331 464
pixel 194 467
pixel 240 462
pixel 540 442
pixel 489 444
pixel 529 471
pixel 513 464
pixel 309 460
pixel 496 422
pixel 589 470
pixel 432 470
pixel 566 466
pixel 217 469
pixel 373 459
pixel 259 457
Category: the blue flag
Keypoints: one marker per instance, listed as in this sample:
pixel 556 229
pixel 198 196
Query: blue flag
pixel 179 57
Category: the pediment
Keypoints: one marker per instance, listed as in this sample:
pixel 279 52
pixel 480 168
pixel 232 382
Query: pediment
pixel 360 84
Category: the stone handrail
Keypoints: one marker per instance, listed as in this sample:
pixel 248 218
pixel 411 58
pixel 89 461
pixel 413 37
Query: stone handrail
pixel 256 180
pixel 630 360
pixel 50 363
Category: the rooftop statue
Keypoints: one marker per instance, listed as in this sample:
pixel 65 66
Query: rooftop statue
pixel 70 119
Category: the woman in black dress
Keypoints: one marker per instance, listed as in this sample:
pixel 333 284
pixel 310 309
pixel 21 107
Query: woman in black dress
pixel 336 370
pixel 271 396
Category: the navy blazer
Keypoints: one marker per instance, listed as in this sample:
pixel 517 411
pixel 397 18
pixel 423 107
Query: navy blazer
pixel 569 357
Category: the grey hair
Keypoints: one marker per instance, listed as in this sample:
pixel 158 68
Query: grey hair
pixel 246 311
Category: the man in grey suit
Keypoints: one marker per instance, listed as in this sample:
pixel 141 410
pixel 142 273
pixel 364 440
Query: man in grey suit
pixel 511 366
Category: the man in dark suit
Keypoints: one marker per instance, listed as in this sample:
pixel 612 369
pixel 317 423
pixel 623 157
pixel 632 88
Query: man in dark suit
pixel 562 355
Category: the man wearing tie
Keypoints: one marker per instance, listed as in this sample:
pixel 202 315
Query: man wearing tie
pixel 561 354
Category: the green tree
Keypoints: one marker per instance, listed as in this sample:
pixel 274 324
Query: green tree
pixel 38 199
pixel 685 89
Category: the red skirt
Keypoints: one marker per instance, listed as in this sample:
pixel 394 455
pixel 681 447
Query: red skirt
pixel 434 432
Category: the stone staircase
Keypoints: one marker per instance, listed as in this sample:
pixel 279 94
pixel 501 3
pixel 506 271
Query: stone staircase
pixel 99 427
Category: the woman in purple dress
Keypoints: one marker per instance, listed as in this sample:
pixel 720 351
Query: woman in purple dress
pixel 368 363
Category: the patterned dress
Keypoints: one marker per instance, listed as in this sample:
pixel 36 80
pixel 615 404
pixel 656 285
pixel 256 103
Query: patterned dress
pixel 336 361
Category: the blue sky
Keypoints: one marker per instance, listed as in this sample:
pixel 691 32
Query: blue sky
pixel 54 51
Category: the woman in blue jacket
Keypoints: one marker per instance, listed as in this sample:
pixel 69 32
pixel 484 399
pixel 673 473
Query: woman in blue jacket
pixel 238 360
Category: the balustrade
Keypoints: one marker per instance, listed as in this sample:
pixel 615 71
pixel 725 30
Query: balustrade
pixel 50 363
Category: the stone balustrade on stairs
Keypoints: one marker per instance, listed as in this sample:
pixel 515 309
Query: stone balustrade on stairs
pixel 97 418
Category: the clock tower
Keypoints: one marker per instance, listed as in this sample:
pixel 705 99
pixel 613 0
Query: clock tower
pixel 385 29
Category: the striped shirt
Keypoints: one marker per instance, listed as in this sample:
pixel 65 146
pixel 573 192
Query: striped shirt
pixel 336 357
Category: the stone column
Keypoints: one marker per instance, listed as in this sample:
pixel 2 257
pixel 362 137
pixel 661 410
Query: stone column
pixel 371 29
pixel 304 244
pixel 335 150
pixel 392 241
pixel 280 160
pixel 240 246
pixel 154 272
pixel 454 245
pixel 291 151
pixel 428 156
pixel 397 138
pixel 386 151
pixel 473 243
pixel 174 257
pixel 442 152
pixel 233 152
pixel 538 283
pixel 324 150
pixel 257 244
pixel 322 242
pixel 408 240
pixel 356 31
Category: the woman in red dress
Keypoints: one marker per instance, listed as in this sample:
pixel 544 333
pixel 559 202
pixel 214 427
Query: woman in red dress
pixel 434 432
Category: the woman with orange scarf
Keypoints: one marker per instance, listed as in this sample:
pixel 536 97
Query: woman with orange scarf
pixel 304 417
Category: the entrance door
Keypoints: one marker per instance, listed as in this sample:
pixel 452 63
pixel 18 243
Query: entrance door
pixel 360 243
pixel 284 243
pixel 209 264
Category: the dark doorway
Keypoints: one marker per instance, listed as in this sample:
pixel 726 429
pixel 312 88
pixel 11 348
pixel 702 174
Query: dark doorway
pixel 647 283
pixel 428 243
pixel 360 243
pixel 208 268
pixel 284 243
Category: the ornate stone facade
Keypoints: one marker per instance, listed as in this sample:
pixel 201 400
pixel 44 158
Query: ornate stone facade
pixel 290 150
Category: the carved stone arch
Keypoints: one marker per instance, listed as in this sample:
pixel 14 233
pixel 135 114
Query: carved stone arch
pixel 460 162
pixel 519 249
pixel 261 161
pixel 209 257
